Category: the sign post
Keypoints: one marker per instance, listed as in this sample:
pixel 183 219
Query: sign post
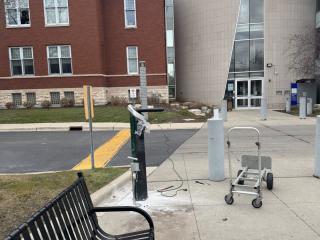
pixel 89 114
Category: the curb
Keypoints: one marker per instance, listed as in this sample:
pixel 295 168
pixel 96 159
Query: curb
pixel 65 127
pixel 106 192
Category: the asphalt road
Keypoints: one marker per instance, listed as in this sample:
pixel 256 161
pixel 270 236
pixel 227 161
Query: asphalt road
pixel 159 146
pixel 45 151
pixel 27 152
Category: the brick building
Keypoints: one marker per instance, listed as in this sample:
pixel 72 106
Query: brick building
pixel 49 49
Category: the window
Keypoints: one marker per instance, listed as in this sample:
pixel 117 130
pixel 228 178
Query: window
pixel 59 59
pixel 17 13
pixel 56 12
pixel 17 99
pixel 31 98
pixel 69 95
pixel 130 13
pixel 21 60
pixel 55 98
pixel 132 60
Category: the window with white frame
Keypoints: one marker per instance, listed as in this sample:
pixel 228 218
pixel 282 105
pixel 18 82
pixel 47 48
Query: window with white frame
pixel 132 60
pixel 56 12
pixel 17 99
pixel 55 98
pixel 69 95
pixel 59 59
pixel 31 98
pixel 130 13
pixel 17 13
pixel 21 61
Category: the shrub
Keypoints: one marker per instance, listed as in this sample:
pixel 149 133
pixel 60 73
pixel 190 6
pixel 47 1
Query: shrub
pixel 10 105
pixel 66 102
pixel 28 105
pixel 46 104
pixel 118 101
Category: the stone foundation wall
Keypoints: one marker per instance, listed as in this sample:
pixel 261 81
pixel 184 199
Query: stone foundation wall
pixel 101 95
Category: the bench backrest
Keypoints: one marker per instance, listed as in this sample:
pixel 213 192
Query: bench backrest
pixel 68 216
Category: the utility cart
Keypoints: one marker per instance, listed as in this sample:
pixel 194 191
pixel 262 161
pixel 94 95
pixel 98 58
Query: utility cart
pixel 254 170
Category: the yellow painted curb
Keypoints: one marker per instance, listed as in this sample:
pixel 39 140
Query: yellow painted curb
pixel 104 154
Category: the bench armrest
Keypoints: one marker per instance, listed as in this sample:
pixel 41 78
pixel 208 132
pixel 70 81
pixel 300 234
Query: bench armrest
pixel 126 209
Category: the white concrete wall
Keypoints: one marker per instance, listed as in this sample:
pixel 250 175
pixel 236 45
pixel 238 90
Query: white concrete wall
pixel 284 18
pixel 204 40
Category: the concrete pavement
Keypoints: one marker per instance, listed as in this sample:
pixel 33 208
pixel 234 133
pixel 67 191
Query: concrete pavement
pixel 290 211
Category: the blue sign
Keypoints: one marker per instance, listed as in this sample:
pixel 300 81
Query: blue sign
pixel 294 94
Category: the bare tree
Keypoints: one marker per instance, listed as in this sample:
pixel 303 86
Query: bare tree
pixel 302 53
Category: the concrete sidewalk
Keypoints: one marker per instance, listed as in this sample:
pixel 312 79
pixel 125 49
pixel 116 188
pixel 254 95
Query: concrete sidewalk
pixel 62 127
pixel 290 211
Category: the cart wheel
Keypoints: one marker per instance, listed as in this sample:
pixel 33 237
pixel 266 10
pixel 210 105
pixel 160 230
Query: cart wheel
pixel 228 199
pixel 241 182
pixel 270 181
pixel 257 203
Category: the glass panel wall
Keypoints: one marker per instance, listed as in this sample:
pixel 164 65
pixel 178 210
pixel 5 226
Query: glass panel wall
pixel 247 61
pixel 170 49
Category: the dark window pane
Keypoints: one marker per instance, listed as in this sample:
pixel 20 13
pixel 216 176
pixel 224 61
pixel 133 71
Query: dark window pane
pixel 256 88
pixel 16 67
pixel 54 66
pixel 242 32
pixel 242 56
pixel 24 16
pixel 17 99
pixel 172 93
pixel 170 54
pixel 28 66
pixel 232 64
pixel 318 5
pixel 257 74
pixel 242 88
pixel 66 65
pixel 31 98
pixel 256 11
pixel 55 97
pixel 242 103
pixel 257 55
pixel 255 102
pixel 256 31
pixel 12 16
pixel 244 12
pixel 242 75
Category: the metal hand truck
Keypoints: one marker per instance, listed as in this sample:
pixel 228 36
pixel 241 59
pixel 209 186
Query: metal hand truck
pixel 255 169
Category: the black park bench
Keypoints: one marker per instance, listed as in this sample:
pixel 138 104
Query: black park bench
pixel 71 215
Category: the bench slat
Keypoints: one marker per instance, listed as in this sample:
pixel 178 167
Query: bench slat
pixel 62 223
pixel 26 234
pixel 34 231
pixel 84 217
pixel 73 222
pixel 55 223
pixel 48 225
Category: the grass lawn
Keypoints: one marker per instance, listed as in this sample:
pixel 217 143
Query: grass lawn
pixel 295 112
pixel 76 114
pixel 21 195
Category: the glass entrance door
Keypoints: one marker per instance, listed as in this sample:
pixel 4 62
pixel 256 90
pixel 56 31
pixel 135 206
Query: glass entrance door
pixel 248 93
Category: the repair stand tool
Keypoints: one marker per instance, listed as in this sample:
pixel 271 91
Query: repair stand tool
pixel 139 125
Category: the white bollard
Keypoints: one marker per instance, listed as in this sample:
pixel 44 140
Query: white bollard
pixel 317 150
pixel 216 149
pixel 288 104
pixel 309 106
pixel 224 110
pixel 264 109
pixel 216 114
pixel 303 108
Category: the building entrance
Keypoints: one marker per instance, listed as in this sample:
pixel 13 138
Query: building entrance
pixel 248 93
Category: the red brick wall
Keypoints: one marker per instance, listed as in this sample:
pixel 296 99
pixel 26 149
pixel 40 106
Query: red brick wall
pixel 98 40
